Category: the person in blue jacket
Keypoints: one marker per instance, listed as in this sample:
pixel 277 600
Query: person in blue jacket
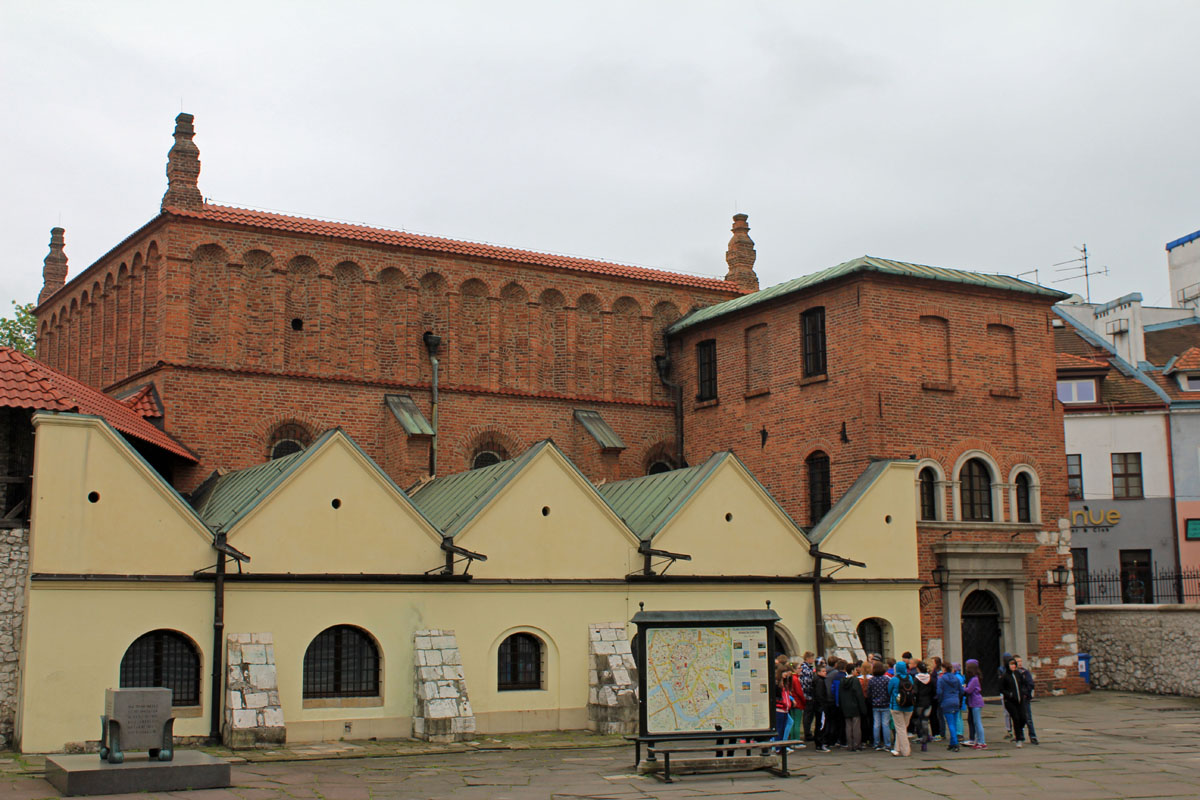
pixel 950 699
pixel 902 694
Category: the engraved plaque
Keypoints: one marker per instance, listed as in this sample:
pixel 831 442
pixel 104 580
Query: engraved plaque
pixel 141 714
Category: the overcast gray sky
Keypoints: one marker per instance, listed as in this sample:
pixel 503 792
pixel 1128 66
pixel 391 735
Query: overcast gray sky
pixel 992 137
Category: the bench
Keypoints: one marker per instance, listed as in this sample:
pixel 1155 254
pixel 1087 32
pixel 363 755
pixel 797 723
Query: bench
pixel 725 758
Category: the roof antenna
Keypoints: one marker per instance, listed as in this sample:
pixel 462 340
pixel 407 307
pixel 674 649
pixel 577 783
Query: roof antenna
pixel 1080 266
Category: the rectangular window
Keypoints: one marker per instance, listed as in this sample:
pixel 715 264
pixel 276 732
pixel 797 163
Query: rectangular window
pixel 1079 566
pixel 1075 476
pixel 812 324
pixel 1077 391
pixel 1127 475
pixel 1191 383
pixel 706 370
pixel 1136 583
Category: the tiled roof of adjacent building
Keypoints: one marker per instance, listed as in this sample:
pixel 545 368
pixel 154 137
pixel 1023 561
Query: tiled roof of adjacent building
pixel 647 503
pixel 363 233
pixel 860 265
pixel 28 383
pixel 1188 360
pixel 1073 362
pixel 1163 344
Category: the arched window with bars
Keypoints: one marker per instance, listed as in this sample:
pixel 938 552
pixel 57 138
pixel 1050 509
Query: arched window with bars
pixel 342 661
pixel 519 663
pixel 164 658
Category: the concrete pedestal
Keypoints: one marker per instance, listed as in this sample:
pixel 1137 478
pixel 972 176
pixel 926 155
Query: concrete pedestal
pixel 88 774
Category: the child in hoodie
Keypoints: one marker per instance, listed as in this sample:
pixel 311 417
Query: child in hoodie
pixel 974 690
pixel 926 697
pixel 950 697
pixel 1010 687
pixel 901 694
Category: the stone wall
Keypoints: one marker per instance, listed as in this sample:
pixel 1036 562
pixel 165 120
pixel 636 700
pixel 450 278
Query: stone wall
pixel 612 680
pixel 1142 648
pixel 441 708
pixel 253 714
pixel 841 638
pixel 14 567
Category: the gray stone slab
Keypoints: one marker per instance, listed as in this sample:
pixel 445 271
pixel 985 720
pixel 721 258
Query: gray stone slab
pixel 88 775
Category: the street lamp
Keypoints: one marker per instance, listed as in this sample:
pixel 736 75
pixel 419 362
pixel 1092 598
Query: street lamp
pixel 1058 577
pixel 940 576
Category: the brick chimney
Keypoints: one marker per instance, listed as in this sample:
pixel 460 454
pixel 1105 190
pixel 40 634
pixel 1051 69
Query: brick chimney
pixel 183 168
pixel 54 267
pixel 740 256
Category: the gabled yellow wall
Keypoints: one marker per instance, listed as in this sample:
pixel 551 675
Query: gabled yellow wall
pixel 881 528
pixel 139 525
pixel 578 537
pixel 757 539
pixel 374 529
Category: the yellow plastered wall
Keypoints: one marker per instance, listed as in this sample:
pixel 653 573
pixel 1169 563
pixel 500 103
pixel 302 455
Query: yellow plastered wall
pixel 138 526
pixel 74 638
pixel 756 539
pixel 77 632
pixel 578 536
pixel 373 529
pixel 880 529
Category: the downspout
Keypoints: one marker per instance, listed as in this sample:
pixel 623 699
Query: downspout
pixel 432 342
pixel 663 365
pixel 218 696
pixel 1174 509
pixel 818 617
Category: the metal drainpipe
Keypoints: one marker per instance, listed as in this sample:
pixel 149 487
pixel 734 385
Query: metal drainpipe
pixel 218 696
pixel 818 617
pixel 1174 509
pixel 663 365
pixel 432 342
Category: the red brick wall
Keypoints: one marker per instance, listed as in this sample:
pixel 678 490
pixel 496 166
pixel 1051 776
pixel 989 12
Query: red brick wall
pixel 527 344
pixel 890 401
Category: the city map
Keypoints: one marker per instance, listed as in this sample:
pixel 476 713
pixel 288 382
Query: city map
pixel 698 678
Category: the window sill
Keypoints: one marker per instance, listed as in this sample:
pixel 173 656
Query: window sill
pixel 757 393
pixel 343 702
pixel 1011 393
pixel 934 386
pixel 1122 499
pixel 972 525
pixel 184 712
pixel 520 689
pixel 706 403
pixel 814 379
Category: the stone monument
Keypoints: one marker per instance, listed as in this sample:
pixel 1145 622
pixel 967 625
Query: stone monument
pixel 137 719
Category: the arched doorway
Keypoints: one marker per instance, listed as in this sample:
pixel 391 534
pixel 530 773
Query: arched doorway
pixel 981 637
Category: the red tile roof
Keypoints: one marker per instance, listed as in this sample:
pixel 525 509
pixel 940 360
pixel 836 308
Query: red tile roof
pixel 363 233
pixel 1069 361
pixel 1188 360
pixel 143 403
pixel 27 383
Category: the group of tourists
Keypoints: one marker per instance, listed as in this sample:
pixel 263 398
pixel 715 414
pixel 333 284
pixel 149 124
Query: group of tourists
pixel 884 703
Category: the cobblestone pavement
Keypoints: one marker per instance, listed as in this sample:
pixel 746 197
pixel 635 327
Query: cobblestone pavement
pixel 1095 747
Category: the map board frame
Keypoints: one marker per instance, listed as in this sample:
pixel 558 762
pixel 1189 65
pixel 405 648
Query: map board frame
pixel 647 621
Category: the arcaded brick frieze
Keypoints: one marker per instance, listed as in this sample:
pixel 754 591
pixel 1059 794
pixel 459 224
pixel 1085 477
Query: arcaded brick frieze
pixel 14 569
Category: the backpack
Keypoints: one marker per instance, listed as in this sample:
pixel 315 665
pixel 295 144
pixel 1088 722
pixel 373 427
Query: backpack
pixel 906 695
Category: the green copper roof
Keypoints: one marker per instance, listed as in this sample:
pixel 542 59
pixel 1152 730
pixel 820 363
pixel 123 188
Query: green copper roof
pixel 230 496
pixel 408 415
pixel 648 503
pixel 453 501
pixel 864 264
pixel 601 431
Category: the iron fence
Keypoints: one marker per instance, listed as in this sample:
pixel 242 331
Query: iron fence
pixel 1141 585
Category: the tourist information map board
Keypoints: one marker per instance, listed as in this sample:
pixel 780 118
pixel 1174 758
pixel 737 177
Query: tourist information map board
pixel 704 671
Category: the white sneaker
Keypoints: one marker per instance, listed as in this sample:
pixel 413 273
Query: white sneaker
pixel 968 742
pixel 894 752
pixel 1020 744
